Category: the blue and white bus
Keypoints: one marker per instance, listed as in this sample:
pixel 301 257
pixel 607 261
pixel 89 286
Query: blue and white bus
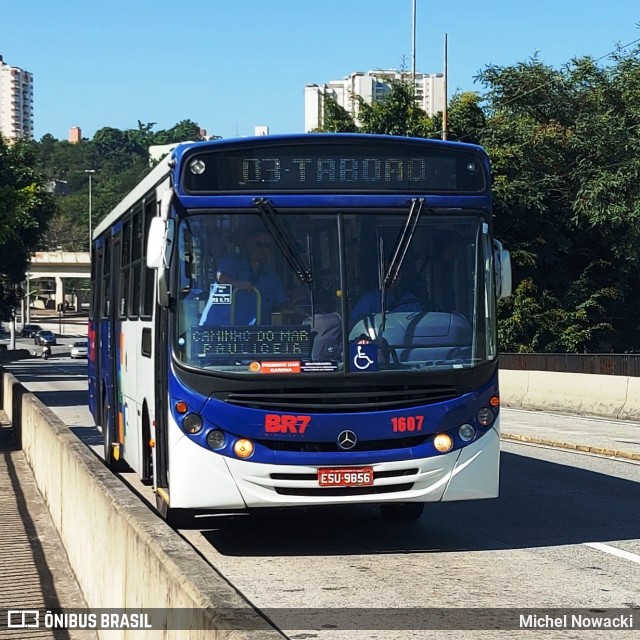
pixel 302 320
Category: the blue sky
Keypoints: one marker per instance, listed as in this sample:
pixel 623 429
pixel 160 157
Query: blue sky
pixel 231 65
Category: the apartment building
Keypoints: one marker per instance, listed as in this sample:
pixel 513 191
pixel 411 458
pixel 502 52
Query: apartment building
pixel 370 86
pixel 16 102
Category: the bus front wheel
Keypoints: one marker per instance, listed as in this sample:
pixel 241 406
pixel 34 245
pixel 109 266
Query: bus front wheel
pixel 175 518
pixel 401 510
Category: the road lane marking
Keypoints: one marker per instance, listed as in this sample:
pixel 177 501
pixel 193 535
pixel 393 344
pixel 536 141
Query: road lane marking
pixel 634 557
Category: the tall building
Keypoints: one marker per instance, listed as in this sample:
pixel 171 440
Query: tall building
pixel 16 102
pixel 370 86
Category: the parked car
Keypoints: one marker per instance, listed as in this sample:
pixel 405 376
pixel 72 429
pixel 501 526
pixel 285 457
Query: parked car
pixel 80 350
pixel 30 330
pixel 45 337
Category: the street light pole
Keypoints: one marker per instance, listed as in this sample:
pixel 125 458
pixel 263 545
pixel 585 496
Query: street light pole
pixel 90 173
pixel 413 49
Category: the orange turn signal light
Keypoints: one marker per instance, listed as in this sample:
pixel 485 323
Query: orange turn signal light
pixel 181 407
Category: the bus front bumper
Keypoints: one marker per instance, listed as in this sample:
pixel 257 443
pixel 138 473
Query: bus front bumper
pixel 217 482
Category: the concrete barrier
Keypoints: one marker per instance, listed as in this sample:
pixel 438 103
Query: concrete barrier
pixel 580 393
pixel 9 355
pixel 631 407
pixel 122 554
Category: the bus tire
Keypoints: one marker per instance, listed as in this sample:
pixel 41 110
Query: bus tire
pixel 175 518
pixel 107 439
pixel 401 511
pixel 147 451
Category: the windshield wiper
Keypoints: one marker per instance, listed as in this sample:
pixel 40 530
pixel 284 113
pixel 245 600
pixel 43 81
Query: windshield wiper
pixel 269 217
pixel 403 242
pixel 381 285
pixel 386 280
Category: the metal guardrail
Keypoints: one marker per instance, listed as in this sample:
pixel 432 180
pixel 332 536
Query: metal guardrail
pixel 615 364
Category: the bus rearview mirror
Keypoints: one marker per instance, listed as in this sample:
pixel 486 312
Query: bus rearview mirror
pixel 160 243
pixel 504 290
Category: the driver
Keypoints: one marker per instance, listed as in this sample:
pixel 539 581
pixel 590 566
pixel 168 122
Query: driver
pixel 248 269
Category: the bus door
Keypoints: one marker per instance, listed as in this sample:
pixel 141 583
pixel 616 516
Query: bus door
pixel 161 386
pixel 95 316
pixel 113 409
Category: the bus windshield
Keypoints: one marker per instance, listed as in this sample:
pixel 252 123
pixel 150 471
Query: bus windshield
pixel 306 292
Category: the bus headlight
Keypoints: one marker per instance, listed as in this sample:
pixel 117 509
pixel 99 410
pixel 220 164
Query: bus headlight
pixel 192 423
pixel 467 432
pixel 216 439
pixel 243 448
pixel 443 442
pixel 485 417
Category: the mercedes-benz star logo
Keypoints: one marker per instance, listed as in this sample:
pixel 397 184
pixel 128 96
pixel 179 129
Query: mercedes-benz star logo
pixel 347 439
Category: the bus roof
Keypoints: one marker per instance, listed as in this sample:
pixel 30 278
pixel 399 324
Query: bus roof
pixel 182 152
pixel 338 163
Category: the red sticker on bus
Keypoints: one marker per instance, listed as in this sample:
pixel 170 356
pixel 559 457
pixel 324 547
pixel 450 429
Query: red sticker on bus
pixel 276 423
pixel 407 423
pixel 284 366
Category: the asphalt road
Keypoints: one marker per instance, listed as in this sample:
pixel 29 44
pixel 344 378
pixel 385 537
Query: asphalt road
pixel 565 533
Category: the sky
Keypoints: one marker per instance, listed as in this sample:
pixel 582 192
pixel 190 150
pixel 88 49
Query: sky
pixel 232 65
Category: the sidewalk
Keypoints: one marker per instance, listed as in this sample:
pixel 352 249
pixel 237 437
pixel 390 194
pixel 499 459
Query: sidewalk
pixel 34 570
pixel 602 436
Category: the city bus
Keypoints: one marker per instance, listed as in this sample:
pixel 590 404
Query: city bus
pixel 302 320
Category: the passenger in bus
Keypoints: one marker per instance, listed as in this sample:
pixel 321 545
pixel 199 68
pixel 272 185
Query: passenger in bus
pixel 248 270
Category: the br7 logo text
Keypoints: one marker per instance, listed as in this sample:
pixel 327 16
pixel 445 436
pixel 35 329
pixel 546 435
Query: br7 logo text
pixel 274 423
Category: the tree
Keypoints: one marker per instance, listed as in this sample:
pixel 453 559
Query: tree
pixel 184 131
pixel 395 114
pixel 563 148
pixel 335 118
pixel 466 120
pixel 122 147
pixel 25 208
pixel 119 158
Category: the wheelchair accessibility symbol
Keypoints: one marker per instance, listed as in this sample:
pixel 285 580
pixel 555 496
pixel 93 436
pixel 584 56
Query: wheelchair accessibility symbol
pixel 364 357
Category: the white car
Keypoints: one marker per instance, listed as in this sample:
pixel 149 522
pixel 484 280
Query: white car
pixel 80 350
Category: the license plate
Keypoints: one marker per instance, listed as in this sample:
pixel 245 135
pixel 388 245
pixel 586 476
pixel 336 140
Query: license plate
pixel 346 477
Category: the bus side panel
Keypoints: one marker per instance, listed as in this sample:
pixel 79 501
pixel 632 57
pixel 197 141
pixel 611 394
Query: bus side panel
pixel 93 334
pixel 137 379
pixel 105 380
pixel 128 409
pixel 92 370
pixel 145 380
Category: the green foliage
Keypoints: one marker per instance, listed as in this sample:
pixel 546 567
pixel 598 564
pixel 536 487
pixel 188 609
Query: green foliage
pixel 25 208
pixel 396 114
pixel 536 321
pixel 563 148
pixel 466 120
pixel 336 119
pixel 120 159
pixel 183 131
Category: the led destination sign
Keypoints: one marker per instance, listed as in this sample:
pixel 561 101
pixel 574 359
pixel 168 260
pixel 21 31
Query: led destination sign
pixel 335 167
pixel 220 343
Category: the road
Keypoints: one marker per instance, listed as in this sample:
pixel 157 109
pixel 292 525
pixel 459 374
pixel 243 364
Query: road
pixel 565 533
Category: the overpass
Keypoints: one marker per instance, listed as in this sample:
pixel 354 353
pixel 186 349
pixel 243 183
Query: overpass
pixel 53 270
